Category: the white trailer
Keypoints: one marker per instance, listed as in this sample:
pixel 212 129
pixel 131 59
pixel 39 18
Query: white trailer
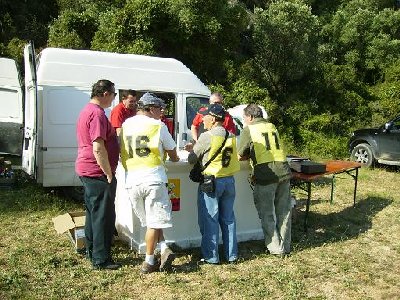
pixel 57 86
pixel 11 117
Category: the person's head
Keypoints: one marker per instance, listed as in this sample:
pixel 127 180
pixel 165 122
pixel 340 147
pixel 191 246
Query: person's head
pixel 213 114
pixel 251 112
pixel 129 99
pixel 216 98
pixel 103 91
pixel 151 105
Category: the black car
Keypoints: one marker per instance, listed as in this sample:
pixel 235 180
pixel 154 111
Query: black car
pixel 381 144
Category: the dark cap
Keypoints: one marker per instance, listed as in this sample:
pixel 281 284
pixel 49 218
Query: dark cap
pixel 149 99
pixel 215 110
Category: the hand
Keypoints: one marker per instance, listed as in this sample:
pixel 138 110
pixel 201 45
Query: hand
pixel 188 147
pixel 109 178
pixel 175 159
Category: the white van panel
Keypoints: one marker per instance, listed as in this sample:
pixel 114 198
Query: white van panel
pixel 81 68
pixel 61 108
pixel 11 117
pixel 10 105
pixel 31 114
pixel 9 76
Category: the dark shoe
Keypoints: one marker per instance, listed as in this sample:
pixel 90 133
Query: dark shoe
pixel 166 259
pixel 108 265
pixel 147 268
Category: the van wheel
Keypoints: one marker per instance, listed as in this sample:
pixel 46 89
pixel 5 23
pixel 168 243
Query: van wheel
pixel 75 193
pixel 362 153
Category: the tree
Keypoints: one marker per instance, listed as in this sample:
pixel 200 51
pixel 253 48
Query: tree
pixel 285 42
pixel 23 21
pixel 200 33
pixel 364 37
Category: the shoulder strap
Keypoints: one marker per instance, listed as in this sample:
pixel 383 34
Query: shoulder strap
pixel 217 152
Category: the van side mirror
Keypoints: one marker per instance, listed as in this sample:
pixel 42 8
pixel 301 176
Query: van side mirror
pixel 388 126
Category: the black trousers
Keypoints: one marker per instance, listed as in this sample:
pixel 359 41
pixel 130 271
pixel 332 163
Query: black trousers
pixel 100 217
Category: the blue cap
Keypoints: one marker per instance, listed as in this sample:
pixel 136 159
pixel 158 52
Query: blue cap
pixel 215 110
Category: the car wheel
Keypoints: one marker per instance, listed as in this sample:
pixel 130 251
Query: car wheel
pixel 362 153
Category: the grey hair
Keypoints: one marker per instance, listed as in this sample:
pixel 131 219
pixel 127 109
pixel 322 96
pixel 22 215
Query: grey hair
pixel 253 110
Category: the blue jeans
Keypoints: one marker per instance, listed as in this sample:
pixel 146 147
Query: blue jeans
pixel 215 210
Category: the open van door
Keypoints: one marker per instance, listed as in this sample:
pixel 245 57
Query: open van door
pixel 30 128
pixel 11 116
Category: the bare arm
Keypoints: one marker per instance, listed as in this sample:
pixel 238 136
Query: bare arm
pixel 101 155
pixel 173 155
pixel 194 131
pixel 118 131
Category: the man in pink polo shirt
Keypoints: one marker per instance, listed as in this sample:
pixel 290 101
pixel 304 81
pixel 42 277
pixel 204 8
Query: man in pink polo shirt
pixel 124 110
pixel 97 159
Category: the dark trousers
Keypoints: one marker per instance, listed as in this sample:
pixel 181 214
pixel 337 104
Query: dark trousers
pixel 100 217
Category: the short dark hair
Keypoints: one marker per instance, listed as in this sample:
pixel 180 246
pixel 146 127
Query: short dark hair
pixel 126 93
pixel 102 86
pixel 253 110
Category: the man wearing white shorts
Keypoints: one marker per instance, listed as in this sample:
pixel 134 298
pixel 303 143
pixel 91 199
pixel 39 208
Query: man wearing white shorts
pixel 144 139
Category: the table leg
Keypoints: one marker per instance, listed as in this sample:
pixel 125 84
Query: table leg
pixel 355 187
pixel 307 204
pixel 332 187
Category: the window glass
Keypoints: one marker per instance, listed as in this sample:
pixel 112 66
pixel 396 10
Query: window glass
pixel 193 104
pixel 396 124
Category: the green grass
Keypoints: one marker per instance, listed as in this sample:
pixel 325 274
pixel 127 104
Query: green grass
pixel 348 253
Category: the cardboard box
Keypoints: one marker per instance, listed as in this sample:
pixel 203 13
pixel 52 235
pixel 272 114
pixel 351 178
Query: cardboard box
pixel 72 223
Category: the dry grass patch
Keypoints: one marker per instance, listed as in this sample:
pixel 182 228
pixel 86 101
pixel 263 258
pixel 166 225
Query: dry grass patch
pixel 348 253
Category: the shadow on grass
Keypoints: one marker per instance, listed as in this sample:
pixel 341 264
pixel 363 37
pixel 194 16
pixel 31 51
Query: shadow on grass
pixel 344 225
pixel 26 195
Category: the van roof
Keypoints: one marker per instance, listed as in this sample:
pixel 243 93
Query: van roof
pixel 81 68
pixel 9 76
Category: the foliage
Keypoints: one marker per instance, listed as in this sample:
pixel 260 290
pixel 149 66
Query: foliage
pixel 73 30
pixel 24 20
pixel 386 104
pixel 363 37
pixel 285 42
pixel 189 30
pixel 304 60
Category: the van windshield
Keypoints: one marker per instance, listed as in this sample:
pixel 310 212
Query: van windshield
pixel 193 104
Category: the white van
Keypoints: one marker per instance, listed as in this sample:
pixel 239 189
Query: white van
pixel 11 117
pixel 58 85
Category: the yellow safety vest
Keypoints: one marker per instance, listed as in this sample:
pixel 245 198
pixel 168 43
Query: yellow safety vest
pixel 141 149
pixel 266 143
pixel 226 163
